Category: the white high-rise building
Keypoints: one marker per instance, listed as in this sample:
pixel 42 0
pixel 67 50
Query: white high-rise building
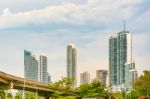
pixel 72 63
pixel 43 72
pixel 84 78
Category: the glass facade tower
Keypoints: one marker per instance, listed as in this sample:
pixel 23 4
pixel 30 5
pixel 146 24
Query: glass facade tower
pixel 30 66
pixel 120 52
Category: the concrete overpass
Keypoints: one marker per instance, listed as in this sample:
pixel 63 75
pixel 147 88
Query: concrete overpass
pixel 13 82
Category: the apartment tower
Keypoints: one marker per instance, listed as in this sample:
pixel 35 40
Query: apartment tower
pixel 85 78
pixel 120 53
pixel 43 70
pixel 72 63
pixel 101 76
pixel 30 66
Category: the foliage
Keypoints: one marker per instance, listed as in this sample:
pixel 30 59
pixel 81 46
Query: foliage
pixel 18 96
pixel 65 97
pixel 142 85
pixel 2 92
pixel 30 95
pixel 117 95
pixel 95 89
pixel 132 95
pixel 126 95
pixel 63 87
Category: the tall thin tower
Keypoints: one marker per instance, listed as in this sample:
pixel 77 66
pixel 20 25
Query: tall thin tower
pixel 72 63
pixel 43 69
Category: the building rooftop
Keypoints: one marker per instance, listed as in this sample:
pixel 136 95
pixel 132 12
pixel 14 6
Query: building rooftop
pixel 114 36
pixel 123 32
pixel 42 54
pixel 72 44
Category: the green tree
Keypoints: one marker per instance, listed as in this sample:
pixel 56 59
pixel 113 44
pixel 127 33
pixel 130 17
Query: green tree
pixel 82 91
pixel 30 95
pixel 63 87
pixel 142 85
pixel 2 92
pixel 18 96
pixel 95 89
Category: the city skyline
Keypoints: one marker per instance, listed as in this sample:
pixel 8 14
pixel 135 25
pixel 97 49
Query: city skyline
pixel 65 23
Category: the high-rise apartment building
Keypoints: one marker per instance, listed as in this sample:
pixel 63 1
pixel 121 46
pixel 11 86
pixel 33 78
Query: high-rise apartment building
pixel 72 63
pixel 30 66
pixel 43 74
pixel 120 54
pixel 101 76
pixel 85 78
pixel 35 71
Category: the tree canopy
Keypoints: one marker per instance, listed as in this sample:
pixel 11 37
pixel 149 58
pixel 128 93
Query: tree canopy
pixel 95 89
pixel 142 85
pixel 62 87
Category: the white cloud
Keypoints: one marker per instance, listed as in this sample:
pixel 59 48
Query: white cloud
pixel 94 11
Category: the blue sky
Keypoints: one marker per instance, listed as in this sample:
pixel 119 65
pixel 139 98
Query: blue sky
pixel 48 26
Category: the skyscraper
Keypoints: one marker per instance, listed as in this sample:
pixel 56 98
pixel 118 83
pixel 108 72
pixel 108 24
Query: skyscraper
pixel 120 53
pixel 30 66
pixel 72 63
pixel 101 75
pixel 43 74
pixel 85 77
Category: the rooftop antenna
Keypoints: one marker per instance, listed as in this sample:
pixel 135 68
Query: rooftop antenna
pixel 124 25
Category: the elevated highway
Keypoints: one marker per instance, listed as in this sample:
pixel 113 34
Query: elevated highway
pixel 13 82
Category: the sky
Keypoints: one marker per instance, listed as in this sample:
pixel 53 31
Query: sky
pixel 48 26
